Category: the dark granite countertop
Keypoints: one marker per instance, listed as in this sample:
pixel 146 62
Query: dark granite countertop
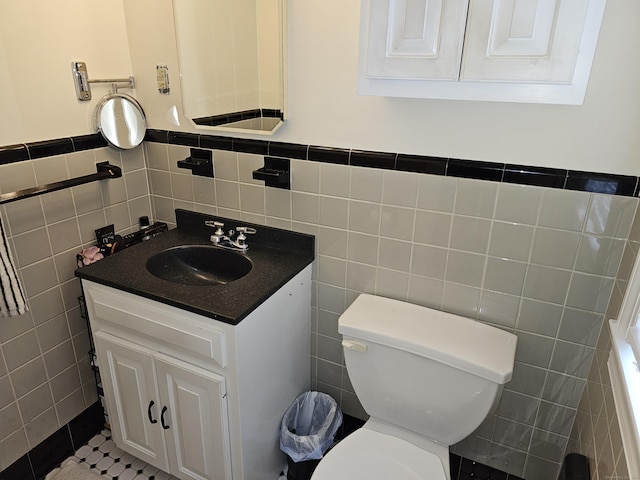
pixel 277 256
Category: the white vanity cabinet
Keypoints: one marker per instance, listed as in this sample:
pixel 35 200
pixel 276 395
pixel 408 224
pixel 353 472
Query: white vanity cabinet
pixel 199 398
pixel 185 430
pixel 499 50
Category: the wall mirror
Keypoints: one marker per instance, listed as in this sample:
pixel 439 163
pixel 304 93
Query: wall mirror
pixel 121 121
pixel 231 55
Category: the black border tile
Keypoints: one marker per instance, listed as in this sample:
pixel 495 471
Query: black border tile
pixel 594 182
pixel 49 148
pixel 208 121
pixel 181 138
pixel 246 145
pixel 473 469
pixel 57 447
pixel 290 150
pixel 249 114
pixel 18 470
pixel 349 425
pixel 420 164
pixel 454 465
pixel 88 142
pixel 364 158
pixel 215 142
pixel 338 156
pixel 233 117
pixel 86 425
pixel 535 176
pixel 602 183
pixel 159 136
pixel 478 170
pixel 13 153
pixel 45 456
pixel 271 113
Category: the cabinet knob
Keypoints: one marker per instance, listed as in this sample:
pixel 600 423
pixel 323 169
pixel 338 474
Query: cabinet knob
pixel 151 419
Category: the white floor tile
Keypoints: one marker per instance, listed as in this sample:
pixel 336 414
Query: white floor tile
pixel 112 463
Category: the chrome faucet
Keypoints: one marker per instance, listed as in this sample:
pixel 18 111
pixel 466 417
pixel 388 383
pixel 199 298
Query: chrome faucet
pixel 226 241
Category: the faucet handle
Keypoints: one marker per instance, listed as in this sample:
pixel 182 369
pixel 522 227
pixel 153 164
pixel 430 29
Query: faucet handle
pixel 242 237
pixel 217 225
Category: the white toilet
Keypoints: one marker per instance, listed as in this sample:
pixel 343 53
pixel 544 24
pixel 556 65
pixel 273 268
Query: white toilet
pixel 426 378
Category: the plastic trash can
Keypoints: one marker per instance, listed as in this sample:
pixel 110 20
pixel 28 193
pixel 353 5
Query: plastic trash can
pixel 307 431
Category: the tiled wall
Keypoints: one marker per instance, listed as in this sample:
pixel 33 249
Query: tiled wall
pixel 537 261
pixel 596 432
pixel 45 376
pixel 541 262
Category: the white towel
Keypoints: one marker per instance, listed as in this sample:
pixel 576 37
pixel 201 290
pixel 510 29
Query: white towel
pixel 11 297
pixel 70 470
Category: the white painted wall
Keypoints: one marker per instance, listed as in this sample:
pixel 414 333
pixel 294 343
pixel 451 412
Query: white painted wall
pixel 38 41
pixel 601 135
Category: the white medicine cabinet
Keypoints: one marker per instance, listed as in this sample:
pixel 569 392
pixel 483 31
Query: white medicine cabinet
pixel 529 51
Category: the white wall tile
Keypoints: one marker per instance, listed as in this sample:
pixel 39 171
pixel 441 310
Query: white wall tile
pixel 429 261
pixel 305 176
pixel 364 217
pixel 436 193
pixel 465 268
pixel 394 254
pixel 334 212
pixel 335 180
pixel 476 198
pixel 397 222
pixel 563 209
pixel 400 188
pixel 470 234
pixel 611 215
pixel 511 241
pixel 554 248
pixel 432 228
pixel 505 276
pixel 546 284
pixel 366 184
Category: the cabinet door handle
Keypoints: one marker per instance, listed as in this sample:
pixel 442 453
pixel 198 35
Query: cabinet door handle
pixel 164 410
pixel 151 419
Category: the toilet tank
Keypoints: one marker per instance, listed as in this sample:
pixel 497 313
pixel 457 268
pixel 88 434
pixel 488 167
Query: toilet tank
pixel 431 372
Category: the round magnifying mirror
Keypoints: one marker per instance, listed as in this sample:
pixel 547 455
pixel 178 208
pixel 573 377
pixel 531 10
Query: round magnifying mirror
pixel 121 120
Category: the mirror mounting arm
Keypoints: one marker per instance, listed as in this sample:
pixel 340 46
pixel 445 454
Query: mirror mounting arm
pixel 83 84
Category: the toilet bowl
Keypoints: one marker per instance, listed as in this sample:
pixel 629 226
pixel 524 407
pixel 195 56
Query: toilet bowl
pixel 368 454
pixel 426 378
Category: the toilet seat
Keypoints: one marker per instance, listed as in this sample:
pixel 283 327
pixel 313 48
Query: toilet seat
pixel 370 455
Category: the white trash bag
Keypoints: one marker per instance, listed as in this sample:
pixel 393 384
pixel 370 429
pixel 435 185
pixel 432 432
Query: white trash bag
pixel 309 426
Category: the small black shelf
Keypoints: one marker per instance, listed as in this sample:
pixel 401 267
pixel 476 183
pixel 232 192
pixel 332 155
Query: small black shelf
pixel 275 173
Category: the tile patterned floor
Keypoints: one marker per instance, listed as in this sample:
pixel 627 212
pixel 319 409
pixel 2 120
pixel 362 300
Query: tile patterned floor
pixel 101 456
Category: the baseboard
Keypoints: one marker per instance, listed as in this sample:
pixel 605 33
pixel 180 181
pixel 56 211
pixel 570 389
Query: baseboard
pixel 47 455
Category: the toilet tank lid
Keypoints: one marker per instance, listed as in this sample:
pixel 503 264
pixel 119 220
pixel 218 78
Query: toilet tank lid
pixel 456 341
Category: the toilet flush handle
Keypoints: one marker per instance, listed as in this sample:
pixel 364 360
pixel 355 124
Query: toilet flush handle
pixel 357 346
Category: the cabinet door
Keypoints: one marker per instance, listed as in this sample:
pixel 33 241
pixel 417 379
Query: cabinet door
pixel 413 39
pixel 194 420
pixel 523 40
pixel 128 379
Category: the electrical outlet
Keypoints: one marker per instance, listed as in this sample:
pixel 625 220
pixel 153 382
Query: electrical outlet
pixel 162 76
